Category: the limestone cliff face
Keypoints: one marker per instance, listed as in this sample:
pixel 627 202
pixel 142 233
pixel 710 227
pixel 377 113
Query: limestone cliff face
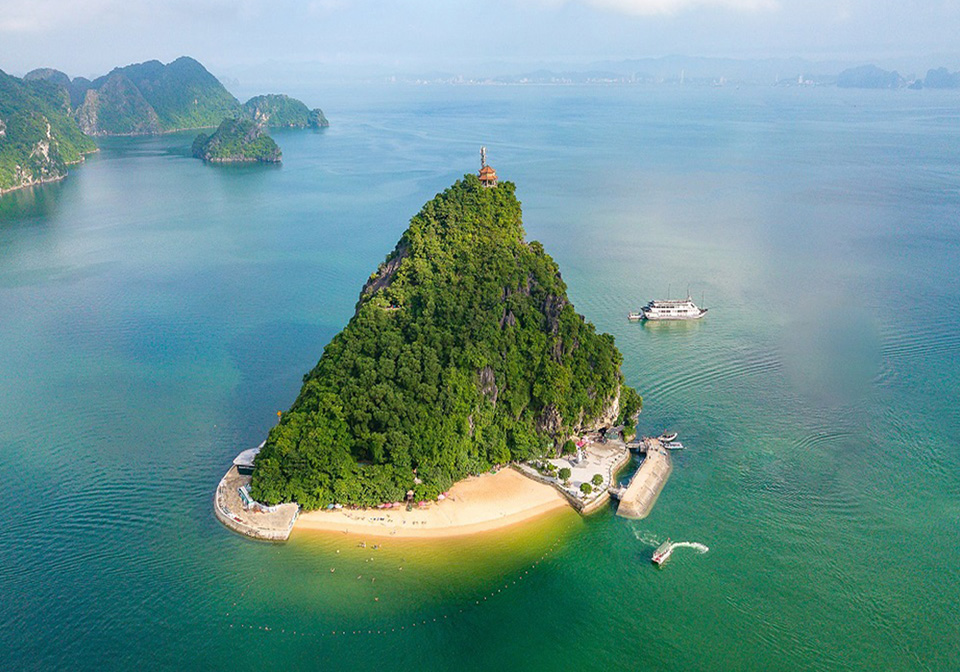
pixel 117 108
pixel 384 274
pixel 43 164
pixel 86 114
pixel 607 418
pixel 38 138
pixel 552 422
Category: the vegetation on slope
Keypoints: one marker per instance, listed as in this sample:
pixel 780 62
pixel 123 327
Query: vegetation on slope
pixel 464 352
pixel 37 136
pixel 48 74
pixel 277 111
pixel 151 98
pixel 155 97
pixel 117 108
pixel 237 141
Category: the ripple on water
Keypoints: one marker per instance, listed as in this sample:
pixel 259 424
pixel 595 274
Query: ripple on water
pixel 716 367
pixel 916 339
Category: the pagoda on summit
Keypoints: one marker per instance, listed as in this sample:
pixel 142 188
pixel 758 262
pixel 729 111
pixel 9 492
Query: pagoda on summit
pixel 488 176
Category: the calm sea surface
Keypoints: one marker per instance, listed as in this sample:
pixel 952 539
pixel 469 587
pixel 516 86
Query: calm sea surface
pixel 155 313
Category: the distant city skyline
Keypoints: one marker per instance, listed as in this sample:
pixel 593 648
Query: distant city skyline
pixel 375 36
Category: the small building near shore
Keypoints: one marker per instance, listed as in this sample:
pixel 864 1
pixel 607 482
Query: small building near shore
pixel 244 461
pixel 245 497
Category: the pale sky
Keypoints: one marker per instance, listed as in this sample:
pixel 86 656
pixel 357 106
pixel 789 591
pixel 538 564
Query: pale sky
pixel 85 37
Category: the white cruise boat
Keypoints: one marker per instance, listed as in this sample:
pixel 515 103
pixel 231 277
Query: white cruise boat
pixel 670 309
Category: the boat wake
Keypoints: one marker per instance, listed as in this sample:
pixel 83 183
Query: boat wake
pixel 646 538
pixel 651 540
pixel 701 548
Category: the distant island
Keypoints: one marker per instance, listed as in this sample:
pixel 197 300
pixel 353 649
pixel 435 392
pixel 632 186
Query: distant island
pixel 869 77
pixel 464 352
pixel 38 136
pixel 151 98
pixel 872 77
pixel 237 141
pixel 280 111
pixel 48 120
pixel 941 78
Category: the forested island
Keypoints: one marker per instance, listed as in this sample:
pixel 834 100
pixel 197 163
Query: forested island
pixel 280 111
pixel 48 120
pixel 38 136
pixel 464 352
pixel 237 141
pixel 151 98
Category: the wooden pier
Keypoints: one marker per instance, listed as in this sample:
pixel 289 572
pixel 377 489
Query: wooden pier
pixel 638 498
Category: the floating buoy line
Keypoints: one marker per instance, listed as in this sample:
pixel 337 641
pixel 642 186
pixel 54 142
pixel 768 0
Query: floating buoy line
pixel 452 614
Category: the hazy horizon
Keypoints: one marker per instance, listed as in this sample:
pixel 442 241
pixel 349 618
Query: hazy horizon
pixel 345 38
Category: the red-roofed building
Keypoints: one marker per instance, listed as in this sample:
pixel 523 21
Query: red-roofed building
pixel 488 176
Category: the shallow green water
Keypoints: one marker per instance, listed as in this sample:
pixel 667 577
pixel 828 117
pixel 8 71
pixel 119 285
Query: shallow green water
pixel 155 313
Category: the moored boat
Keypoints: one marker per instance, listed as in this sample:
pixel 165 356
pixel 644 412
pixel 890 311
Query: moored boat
pixel 667 438
pixel 673 445
pixel 671 309
pixel 662 553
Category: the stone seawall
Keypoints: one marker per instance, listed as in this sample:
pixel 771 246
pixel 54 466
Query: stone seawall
pixel 641 494
pixel 595 501
pixel 273 524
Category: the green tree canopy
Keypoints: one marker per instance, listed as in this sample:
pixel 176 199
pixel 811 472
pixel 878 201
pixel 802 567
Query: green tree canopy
pixel 464 352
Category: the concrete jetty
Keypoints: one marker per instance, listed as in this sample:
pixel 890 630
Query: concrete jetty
pixel 638 498
pixel 255 520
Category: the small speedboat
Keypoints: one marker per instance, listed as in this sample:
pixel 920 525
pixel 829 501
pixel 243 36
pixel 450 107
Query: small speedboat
pixel 667 438
pixel 662 554
pixel 673 445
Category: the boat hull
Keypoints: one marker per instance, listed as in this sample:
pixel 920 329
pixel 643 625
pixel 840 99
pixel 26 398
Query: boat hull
pixel 662 554
pixel 673 318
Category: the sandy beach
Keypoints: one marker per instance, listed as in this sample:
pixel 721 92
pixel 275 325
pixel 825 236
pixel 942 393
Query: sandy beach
pixel 477 504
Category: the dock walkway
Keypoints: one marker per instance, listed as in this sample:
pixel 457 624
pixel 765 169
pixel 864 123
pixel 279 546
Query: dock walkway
pixel 638 498
pixel 272 524
pixel 606 459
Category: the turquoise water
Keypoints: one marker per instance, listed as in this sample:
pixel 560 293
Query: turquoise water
pixel 155 313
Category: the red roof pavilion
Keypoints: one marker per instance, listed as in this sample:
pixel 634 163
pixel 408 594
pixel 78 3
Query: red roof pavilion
pixel 488 176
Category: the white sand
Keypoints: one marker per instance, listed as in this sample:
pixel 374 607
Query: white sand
pixel 477 504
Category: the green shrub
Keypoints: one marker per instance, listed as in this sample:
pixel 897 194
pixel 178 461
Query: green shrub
pixel 597 479
pixel 564 474
pixel 586 488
